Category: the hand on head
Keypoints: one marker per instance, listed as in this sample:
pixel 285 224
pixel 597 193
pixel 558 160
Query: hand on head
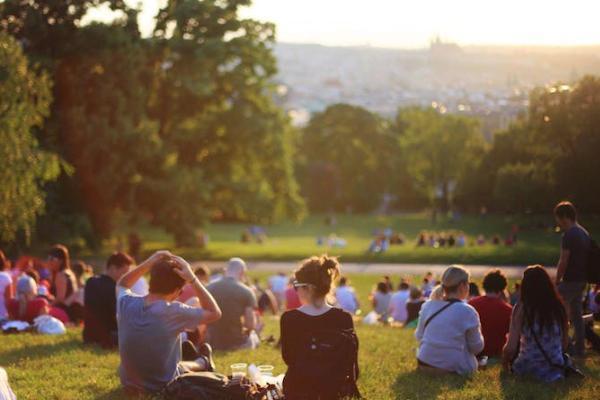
pixel 183 269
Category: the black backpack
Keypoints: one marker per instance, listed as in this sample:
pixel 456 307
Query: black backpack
pixel 198 386
pixel 327 361
pixel 213 386
pixel 593 264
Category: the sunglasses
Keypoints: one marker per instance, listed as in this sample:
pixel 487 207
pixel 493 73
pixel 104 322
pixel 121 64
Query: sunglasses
pixel 298 285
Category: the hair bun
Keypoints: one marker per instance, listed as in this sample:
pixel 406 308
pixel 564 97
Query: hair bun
pixel 331 265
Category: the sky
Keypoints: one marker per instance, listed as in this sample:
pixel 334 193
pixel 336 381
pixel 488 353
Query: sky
pixel 412 24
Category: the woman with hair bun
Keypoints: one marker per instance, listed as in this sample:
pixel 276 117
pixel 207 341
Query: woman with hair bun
pixel 318 342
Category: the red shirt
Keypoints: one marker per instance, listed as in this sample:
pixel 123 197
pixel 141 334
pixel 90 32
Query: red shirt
pixel 292 301
pixel 494 314
pixel 32 311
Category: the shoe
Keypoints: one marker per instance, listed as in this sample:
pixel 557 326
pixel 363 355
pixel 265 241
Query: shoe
pixel 206 353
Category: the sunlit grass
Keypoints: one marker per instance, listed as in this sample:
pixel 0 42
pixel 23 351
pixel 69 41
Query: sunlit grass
pixel 44 367
pixel 538 243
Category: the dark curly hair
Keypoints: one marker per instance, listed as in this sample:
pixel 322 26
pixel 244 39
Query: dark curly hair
pixel 494 281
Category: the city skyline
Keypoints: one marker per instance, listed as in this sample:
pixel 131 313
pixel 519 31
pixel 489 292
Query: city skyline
pixel 400 24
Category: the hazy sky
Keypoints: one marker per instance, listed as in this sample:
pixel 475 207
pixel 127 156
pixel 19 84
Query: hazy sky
pixel 401 23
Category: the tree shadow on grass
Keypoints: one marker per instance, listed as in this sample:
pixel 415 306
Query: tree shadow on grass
pixel 419 385
pixel 517 387
pixel 41 351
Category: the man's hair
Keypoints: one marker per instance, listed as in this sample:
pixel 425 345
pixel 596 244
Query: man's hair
pixel 343 281
pixel 566 209
pixel 494 282
pixel 403 285
pixel 164 279
pixel 119 260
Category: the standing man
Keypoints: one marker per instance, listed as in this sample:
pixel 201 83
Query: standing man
pixel 570 274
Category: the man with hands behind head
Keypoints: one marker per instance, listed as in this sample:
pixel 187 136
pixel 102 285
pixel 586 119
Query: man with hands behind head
pixel 150 327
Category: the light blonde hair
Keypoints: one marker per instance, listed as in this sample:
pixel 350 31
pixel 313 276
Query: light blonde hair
pixel 437 293
pixel 453 276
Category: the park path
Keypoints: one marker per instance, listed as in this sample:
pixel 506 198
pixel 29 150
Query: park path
pixel 381 268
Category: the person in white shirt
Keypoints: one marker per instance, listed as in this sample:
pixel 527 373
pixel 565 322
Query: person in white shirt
pixel 6 286
pixel 397 307
pixel 449 331
pixel 346 297
pixel 278 285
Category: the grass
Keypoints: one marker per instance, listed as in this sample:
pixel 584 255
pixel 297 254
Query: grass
pixel 63 368
pixel 290 241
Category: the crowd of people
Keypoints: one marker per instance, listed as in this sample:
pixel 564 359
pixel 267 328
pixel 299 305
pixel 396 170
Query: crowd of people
pixel 169 325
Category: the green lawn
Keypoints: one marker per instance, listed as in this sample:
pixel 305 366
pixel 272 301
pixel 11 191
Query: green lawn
pixel 43 367
pixel 289 241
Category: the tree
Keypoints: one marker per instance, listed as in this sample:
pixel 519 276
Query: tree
pixel 24 167
pixel 216 115
pixel 439 150
pixel 344 159
pixel 524 187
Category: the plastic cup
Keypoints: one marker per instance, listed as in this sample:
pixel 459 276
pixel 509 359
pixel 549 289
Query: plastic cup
pixel 266 370
pixel 238 370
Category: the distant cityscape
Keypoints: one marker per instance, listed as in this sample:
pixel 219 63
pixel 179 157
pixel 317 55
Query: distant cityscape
pixel 491 83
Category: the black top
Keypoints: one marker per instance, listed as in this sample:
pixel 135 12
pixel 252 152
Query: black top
pixel 100 300
pixel 413 308
pixel 297 326
pixel 577 241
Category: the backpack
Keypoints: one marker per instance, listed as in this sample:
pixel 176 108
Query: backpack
pixel 593 265
pixel 198 386
pixel 213 386
pixel 328 362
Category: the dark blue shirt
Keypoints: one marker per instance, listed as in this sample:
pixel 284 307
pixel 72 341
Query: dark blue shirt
pixel 577 240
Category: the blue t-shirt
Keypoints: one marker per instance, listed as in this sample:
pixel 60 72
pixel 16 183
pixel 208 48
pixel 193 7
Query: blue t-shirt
pixel 577 241
pixel 149 339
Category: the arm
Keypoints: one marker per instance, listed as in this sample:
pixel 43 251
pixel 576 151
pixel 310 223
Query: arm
pixel 562 264
pixel 8 293
pixel 211 309
pixel 131 277
pixel 474 338
pixel 249 319
pixel 286 345
pixel 420 325
pixel 61 288
pixel 514 335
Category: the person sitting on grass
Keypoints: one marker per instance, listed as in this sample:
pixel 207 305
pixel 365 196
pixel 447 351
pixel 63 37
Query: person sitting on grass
pixel 75 301
pixel 413 307
pixel 315 367
pixel 346 296
pixel 63 283
pixel 27 306
pixel 538 329
pixel 397 307
pixel 449 332
pixel 494 313
pixel 100 303
pixel 6 286
pixel 150 327
pixel 238 303
pixel 381 301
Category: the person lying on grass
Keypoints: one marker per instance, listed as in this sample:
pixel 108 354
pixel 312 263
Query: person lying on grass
pixel 449 331
pixel 149 327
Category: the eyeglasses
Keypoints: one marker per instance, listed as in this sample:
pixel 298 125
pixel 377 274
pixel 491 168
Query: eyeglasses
pixel 298 285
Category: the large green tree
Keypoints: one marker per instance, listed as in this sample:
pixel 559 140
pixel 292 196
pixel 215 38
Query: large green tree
pixel 24 167
pixel 439 150
pixel 213 101
pixel 345 157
